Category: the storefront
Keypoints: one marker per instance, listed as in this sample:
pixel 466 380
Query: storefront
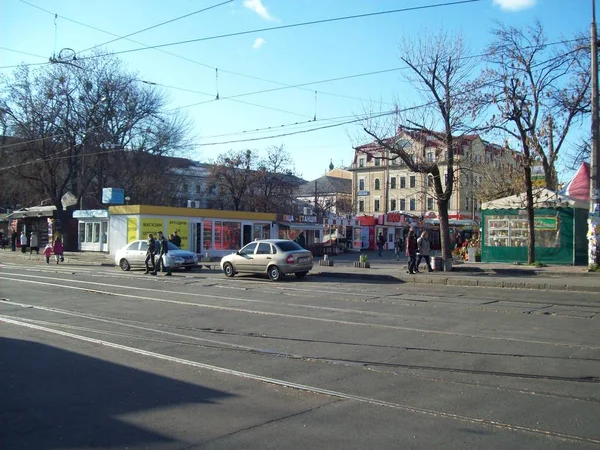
pixel 38 220
pixel 364 237
pixel 560 225
pixel 93 229
pixel 204 231
pixel 289 226
pixel 339 232
pixel 397 224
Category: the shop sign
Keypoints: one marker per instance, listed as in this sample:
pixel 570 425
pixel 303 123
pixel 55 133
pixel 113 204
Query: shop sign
pixel 362 193
pixel 182 228
pixel 298 218
pixel 545 223
pixel 394 218
pixel 132 229
pixel 151 225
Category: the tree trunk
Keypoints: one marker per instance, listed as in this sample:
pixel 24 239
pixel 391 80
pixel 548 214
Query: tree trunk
pixel 530 217
pixel 445 235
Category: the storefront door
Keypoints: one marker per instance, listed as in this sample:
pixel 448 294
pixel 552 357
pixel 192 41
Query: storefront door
pixel 246 233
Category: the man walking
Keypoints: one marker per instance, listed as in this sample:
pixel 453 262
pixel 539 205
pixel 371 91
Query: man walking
pixel 411 251
pixel 423 249
pixel 33 244
pixel 380 244
pixel 162 255
pixel 150 254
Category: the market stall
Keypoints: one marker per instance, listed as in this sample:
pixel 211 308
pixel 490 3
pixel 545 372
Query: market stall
pixel 560 226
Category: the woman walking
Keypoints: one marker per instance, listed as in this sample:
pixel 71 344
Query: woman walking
pixel 58 250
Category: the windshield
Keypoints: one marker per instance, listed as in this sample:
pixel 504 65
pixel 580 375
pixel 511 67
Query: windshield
pixel 289 246
pixel 172 246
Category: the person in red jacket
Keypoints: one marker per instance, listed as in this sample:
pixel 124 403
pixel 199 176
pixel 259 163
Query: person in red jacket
pixel 58 250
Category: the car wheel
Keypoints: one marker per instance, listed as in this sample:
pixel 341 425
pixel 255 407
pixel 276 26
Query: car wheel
pixel 300 274
pixel 228 269
pixel 124 264
pixel 274 273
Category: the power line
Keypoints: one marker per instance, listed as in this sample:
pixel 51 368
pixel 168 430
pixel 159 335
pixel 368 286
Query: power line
pixel 158 25
pixel 22 53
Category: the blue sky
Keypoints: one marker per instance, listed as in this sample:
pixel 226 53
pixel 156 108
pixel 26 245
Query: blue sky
pixel 271 59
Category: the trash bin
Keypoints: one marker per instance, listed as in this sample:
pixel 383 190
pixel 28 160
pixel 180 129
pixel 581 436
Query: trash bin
pixel 471 251
pixel 436 262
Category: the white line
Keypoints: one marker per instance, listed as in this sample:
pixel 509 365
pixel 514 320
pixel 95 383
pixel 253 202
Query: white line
pixel 289 316
pixel 307 388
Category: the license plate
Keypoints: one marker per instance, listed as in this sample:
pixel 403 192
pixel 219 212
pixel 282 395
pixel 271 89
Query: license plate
pixel 303 260
pixel 189 261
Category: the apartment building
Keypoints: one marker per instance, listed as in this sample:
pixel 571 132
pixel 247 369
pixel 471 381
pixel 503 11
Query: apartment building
pixel 383 183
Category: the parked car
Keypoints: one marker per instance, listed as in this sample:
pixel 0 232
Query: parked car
pixel 134 255
pixel 275 257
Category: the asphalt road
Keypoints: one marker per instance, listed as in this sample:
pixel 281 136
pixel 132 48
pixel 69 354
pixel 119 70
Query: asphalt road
pixel 96 357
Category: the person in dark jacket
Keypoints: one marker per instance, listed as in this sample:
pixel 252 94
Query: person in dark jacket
pixel 176 239
pixel 162 255
pixel 411 251
pixel 150 254
pixel 424 247
pixel 301 240
pixel 380 244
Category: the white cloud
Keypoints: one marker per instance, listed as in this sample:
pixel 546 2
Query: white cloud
pixel 258 43
pixel 258 8
pixel 515 5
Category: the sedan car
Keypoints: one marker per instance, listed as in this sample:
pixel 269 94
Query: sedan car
pixel 134 255
pixel 275 257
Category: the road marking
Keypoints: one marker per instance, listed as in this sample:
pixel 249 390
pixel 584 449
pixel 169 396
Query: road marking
pixel 290 316
pixel 312 389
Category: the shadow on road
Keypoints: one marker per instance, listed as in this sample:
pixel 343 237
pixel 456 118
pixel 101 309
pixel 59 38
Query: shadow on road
pixel 52 398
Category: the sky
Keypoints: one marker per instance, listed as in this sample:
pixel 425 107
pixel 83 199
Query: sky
pixel 256 71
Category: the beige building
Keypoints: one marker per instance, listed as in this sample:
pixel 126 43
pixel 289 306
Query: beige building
pixel 381 185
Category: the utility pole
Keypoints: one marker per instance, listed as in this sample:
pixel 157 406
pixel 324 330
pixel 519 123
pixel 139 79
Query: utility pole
pixel 594 157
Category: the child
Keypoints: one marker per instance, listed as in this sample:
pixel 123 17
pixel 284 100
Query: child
pixel 47 252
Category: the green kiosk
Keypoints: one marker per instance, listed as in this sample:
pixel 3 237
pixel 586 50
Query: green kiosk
pixel 560 229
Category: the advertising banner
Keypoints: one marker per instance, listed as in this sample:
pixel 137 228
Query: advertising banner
pixel 152 225
pixel 132 229
pixel 182 227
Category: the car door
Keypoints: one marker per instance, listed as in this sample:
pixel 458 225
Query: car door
pixel 262 257
pixel 244 258
pixel 139 254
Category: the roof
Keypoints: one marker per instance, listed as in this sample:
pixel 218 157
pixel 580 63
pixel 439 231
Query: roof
pixel 542 198
pixel 579 186
pixel 324 186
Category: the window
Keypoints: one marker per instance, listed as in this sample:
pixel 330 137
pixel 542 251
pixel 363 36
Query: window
pixel 361 184
pixel 402 182
pixel 376 206
pixel 377 161
pixel 413 181
pixel 361 206
pixel 413 204
pixel 430 204
pixel 393 205
pixel 393 181
pixel 264 248
pixel 248 249
pixel 402 204
pixel 207 233
pixel 361 162
pixel 429 180
pixel 430 156
pixel 198 189
pixel 468 206
pixel 394 162
pixel 377 184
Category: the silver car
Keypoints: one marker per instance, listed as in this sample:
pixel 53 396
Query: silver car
pixel 134 255
pixel 275 257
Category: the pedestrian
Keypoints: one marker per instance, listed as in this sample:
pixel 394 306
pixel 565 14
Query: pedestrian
pixel 176 239
pixel 13 240
pixel 301 240
pixel 3 240
pixel 398 247
pixel 33 244
pixel 423 249
pixel 162 256
pixel 150 254
pixel 47 252
pixel 23 242
pixel 380 244
pixel 459 240
pixel 411 251
pixel 58 249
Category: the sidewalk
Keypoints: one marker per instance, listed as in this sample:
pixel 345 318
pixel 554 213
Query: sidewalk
pixel 387 269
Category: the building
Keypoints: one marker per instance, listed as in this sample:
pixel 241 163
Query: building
pixel 329 195
pixel 383 183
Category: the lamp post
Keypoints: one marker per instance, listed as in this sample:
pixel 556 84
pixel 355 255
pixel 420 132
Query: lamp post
pixel 594 157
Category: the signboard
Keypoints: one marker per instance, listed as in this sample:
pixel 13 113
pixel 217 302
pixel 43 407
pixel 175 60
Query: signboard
pixel 132 229
pixel 545 223
pixel 152 225
pixel 182 228
pixel 113 196
pixel 298 219
pixel 362 193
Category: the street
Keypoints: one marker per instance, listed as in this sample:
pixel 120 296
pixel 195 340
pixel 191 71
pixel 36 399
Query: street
pixel 97 357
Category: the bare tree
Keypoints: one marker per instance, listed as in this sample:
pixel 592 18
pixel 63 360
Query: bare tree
pixel 87 123
pixel 232 175
pixel 439 68
pixel 538 94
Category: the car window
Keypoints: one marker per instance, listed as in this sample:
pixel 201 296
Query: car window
pixel 263 249
pixel 273 249
pixel 172 246
pixel 248 249
pixel 133 246
pixel 143 246
pixel 288 246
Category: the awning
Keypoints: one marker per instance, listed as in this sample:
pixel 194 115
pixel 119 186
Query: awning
pixel 34 211
pixel 301 226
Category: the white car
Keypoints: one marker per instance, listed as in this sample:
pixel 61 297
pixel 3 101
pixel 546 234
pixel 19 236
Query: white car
pixel 134 255
pixel 275 257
